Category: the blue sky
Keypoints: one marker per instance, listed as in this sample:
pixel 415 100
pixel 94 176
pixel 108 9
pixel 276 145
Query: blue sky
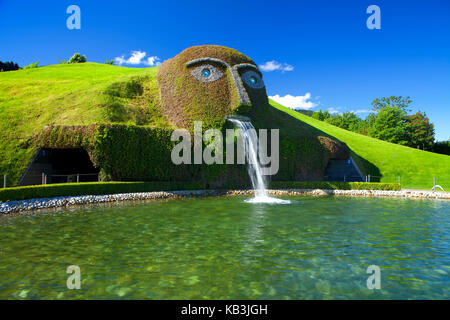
pixel 329 56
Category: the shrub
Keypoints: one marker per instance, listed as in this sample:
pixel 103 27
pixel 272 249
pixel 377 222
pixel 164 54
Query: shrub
pixel 442 147
pixel 338 185
pixel 109 61
pixel 100 188
pixel 9 66
pixel 77 58
pixel 91 188
pixel 32 65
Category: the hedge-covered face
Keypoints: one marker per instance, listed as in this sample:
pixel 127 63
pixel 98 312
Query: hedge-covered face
pixel 208 83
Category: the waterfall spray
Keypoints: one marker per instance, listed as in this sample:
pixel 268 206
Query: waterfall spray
pixel 250 138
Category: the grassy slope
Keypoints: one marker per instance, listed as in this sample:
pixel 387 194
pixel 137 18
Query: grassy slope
pixel 415 167
pixel 67 94
pixel 97 93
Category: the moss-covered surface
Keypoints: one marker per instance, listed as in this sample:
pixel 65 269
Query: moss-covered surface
pixel 185 99
pixel 137 153
pixel 69 94
pixel 124 117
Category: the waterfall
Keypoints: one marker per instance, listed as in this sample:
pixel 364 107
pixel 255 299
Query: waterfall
pixel 250 138
pixel 251 155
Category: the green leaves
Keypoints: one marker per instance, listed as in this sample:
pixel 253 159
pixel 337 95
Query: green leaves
pixel 77 58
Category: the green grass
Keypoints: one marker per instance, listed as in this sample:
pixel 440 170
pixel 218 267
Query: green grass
pixel 70 94
pixel 415 167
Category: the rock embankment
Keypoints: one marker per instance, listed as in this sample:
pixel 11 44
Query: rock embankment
pixel 36 204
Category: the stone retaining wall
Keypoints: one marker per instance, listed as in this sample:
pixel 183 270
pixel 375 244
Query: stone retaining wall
pixel 36 204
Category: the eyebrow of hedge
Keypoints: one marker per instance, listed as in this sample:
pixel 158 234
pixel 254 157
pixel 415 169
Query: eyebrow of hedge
pixel 206 59
pixel 248 65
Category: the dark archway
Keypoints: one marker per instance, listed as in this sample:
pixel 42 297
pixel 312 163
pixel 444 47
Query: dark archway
pixel 60 166
pixel 342 170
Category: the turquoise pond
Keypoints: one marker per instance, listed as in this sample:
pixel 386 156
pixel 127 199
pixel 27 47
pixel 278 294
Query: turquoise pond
pixel 225 248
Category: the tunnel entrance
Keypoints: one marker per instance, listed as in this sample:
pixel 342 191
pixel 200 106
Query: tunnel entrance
pixel 342 170
pixel 60 166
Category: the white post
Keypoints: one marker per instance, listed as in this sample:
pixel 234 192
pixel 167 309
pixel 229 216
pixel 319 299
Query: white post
pixel 398 179
pixel 4 180
pixel 78 177
pixel 369 177
pixel 44 178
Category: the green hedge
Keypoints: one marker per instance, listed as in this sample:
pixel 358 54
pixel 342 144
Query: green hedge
pixel 330 185
pixel 92 188
pixel 99 188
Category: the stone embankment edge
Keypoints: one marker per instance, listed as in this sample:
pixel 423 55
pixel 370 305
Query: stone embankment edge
pixel 59 202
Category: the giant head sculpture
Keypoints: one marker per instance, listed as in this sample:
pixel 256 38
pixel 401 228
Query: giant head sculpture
pixel 207 83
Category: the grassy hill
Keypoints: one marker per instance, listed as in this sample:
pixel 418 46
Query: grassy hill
pixel 91 93
pixel 379 158
pixel 70 94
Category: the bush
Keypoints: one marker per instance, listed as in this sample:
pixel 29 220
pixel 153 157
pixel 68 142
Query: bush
pixel 91 188
pixel 442 147
pixel 9 66
pixel 100 188
pixel 32 65
pixel 330 185
pixel 77 58
pixel 109 61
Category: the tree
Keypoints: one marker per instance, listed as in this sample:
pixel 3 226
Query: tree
pixel 442 147
pixel 9 66
pixel 109 62
pixel 32 65
pixel 400 102
pixel 77 58
pixel 420 131
pixel 389 122
pixel 321 115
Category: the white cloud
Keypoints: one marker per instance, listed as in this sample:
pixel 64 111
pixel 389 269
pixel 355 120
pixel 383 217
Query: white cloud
pixel 361 111
pixel 295 102
pixel 138 57
pixel 333 110
pixel 275 65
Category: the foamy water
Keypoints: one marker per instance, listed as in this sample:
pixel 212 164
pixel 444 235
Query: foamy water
pixel 254 168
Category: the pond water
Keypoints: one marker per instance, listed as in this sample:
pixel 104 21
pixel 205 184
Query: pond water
pixel 226 248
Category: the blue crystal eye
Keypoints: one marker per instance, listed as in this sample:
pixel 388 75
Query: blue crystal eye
pixel 206 72
pixel 252 79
